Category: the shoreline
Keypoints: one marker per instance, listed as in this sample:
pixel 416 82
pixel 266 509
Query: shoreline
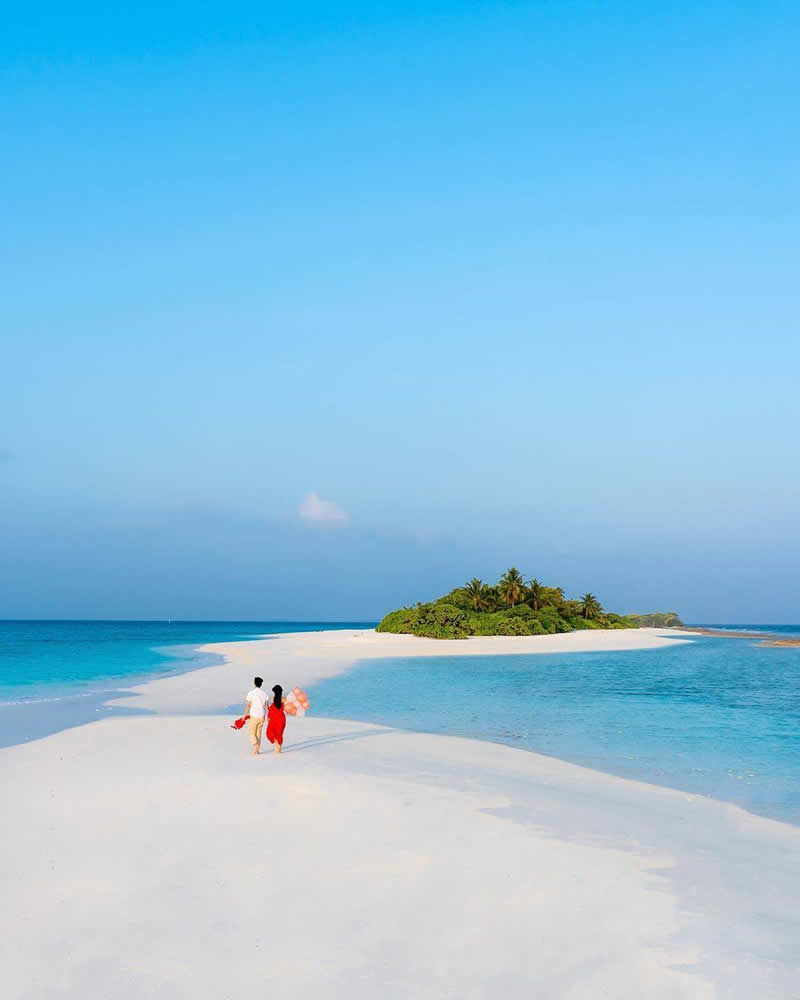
pixel 149 829
pixel 323 654
pixel 326 655
pixel 766 638
pixel 333 652
pixel 26 719
pixel 84 701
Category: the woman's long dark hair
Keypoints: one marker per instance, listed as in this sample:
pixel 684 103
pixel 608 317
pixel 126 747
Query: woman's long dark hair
pixel 278 699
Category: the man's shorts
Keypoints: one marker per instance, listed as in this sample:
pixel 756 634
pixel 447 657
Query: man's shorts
pixel 256 726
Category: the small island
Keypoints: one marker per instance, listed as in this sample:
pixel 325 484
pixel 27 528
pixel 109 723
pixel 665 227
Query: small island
pixel 656 619
pixel 512 607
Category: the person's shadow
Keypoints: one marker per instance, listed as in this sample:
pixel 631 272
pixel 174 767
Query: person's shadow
pixel 338 738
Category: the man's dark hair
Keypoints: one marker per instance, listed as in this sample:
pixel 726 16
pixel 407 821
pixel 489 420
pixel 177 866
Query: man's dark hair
pixel 258 681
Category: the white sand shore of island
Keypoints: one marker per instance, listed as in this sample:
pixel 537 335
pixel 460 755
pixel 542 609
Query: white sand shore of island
pixel 151 856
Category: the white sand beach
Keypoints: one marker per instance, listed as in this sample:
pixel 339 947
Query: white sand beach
pixel 152 856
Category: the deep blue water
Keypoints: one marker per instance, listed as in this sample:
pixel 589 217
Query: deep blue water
pixel 715 716
pixel 44 660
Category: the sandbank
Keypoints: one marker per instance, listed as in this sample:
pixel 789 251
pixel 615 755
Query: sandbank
pixel 151 856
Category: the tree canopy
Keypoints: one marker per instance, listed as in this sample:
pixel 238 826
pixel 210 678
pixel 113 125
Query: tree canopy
pixel 511 587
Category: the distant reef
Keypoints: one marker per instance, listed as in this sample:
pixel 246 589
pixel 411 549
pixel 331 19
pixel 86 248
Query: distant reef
pixel 512 606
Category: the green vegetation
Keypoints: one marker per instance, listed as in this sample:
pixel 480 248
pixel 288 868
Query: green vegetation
pixel 656 619
pixel 511 607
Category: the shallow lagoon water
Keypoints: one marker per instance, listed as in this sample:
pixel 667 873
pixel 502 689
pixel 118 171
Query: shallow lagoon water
pixel 713 716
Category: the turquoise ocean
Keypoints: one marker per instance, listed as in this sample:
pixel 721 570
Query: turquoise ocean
pixel 711 716
pixel 59 674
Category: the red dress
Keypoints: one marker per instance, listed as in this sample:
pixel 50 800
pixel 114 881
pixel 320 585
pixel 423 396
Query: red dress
pixel 276 723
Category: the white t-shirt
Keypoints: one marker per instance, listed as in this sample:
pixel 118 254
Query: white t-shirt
pixel 258 703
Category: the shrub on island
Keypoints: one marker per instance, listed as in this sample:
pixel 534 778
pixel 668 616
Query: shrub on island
pixel 433 621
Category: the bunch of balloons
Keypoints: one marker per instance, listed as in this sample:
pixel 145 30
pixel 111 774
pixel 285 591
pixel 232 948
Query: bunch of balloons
pixel 296 702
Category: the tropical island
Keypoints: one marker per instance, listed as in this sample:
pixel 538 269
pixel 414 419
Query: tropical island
pixel 512 607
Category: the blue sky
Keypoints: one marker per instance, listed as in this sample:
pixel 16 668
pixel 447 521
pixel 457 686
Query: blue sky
pixel 500 282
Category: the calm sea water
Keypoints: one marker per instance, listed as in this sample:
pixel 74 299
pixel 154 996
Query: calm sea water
pixel 47 660
pixel 785 631
pixel 714 716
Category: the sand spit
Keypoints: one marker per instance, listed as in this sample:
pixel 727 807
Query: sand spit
pixel 151 856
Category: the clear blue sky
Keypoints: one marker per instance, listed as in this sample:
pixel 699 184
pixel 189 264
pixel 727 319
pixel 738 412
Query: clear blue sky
pixel 503 282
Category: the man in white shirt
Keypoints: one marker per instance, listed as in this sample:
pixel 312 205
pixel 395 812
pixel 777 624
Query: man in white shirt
pixel 256 708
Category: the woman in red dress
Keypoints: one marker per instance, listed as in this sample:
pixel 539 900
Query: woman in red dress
pixel 276 719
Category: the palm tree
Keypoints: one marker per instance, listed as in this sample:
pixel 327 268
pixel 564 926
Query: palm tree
pixel 535 594
pixel 554 596
pixel 477 593
pixel 590 607
pixel 511 586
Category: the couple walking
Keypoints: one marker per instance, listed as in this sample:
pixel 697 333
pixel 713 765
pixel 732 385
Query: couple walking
pixel 257 709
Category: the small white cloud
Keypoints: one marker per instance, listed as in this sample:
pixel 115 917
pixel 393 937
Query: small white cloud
pixel 314 508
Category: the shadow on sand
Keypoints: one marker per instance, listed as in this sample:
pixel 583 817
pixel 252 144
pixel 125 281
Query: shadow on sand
pixel 337 738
